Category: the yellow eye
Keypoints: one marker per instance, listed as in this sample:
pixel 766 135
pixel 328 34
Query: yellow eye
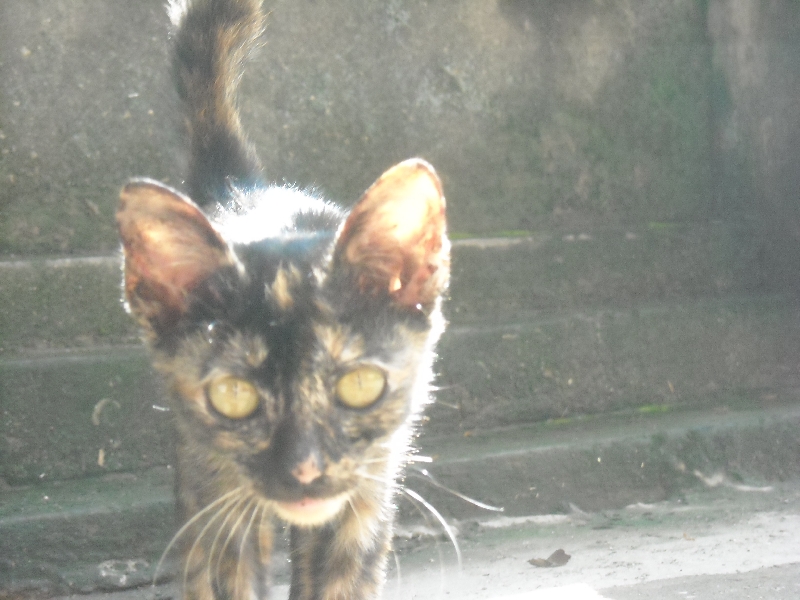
pixel 360 387
pixel 233 397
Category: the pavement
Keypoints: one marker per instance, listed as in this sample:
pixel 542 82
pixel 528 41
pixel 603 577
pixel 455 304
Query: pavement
pixel 736 542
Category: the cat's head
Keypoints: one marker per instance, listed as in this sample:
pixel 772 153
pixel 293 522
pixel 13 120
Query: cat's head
pixel 294 362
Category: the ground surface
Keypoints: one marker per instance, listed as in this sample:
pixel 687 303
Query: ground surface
pixel 736 542
pixel 743 542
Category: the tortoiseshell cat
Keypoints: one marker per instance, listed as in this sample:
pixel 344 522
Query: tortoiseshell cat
pixel 296 341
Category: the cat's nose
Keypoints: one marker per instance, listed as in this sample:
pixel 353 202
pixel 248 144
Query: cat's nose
pixel 306 471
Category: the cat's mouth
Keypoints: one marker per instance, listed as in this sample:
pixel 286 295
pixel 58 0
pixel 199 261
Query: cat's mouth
pixel 310 512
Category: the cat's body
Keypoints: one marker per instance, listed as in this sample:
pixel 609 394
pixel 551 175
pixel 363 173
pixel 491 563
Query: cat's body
pixel 296 345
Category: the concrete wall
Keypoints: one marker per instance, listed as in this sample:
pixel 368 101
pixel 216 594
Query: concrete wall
pixel 650 146
pixel 535 113
pixel 757 63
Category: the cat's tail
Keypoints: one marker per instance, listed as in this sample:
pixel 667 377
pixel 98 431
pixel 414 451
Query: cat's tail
pixel 213 39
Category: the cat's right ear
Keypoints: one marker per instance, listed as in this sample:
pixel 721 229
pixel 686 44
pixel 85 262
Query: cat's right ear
pixel 394 242
pixel 170 248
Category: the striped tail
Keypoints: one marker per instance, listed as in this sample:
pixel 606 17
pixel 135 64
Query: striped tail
pixel 213 39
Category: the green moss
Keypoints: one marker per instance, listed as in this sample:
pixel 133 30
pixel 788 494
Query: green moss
pixel 513 233
pixel 640 150
pixel 651 409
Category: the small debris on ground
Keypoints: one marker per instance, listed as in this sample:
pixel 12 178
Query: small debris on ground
pixel 557 559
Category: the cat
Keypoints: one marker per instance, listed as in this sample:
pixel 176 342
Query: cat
pixel 295 339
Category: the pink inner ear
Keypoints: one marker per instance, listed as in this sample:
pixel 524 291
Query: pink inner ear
pixel 169 245
pixel 395 235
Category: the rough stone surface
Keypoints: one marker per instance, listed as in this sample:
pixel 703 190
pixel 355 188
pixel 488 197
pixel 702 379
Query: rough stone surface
pixel 517 104
pixel 76 303
pixel 756 62
pixel 74 414
pixel 710 354
pixel 77 415
pixel 85 104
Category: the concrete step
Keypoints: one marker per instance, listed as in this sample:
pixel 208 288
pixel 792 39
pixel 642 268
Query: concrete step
pixel 61 411
pixel 564 379
pixel 75 302
pixel 107 533
pixel 77 413
pixel 652 356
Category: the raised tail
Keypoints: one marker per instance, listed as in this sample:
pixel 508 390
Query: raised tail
pixel 213 39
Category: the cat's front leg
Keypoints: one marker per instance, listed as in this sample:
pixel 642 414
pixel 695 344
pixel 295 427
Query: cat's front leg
pixel 344 559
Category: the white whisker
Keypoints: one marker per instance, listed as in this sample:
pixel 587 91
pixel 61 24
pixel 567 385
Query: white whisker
pixel 231 533
pixel 245 534
pixel 355 512
pixel 397 568
pixel 372 461
pixel 439 517
pixel 188 524
pixel 187 558
pixel 415 504
pixel 236 508
pixel 371 477
pixel 415 458
pixel 440 388
pixel 432 480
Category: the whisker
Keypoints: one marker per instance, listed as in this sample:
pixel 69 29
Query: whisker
pixel 224 509
pixel 397 568
pixel 241 549
pixel 439 388
pixel 415 458
pixel 231 533
pixel 372 477
pixel 355 512
pixel 442 575
pixel 231 512
pixel 372 461
pixel 425 475
pixel 188 524
pixel 439 517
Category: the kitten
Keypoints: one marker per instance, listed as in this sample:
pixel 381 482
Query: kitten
pixel 296 341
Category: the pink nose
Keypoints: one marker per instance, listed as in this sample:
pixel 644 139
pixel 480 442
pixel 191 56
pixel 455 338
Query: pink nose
pixel 306 471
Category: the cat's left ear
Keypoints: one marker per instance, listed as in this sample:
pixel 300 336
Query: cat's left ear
pixel 170 248
pixel 395 239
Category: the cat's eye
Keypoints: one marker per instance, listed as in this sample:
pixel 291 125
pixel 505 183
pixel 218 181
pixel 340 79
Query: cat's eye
pixel 233 397
pixel 361 387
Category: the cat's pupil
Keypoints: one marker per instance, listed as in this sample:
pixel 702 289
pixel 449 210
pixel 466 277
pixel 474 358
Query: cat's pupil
pixel 232 397
pixel 361 387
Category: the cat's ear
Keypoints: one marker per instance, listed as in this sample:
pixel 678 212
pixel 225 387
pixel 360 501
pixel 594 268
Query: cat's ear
pixel 170 247
pixel 395 241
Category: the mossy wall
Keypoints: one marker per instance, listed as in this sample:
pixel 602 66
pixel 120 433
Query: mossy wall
pixel 535 113
pixel 756 61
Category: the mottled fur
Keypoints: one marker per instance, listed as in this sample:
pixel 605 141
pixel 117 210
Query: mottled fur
pixel 287 302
